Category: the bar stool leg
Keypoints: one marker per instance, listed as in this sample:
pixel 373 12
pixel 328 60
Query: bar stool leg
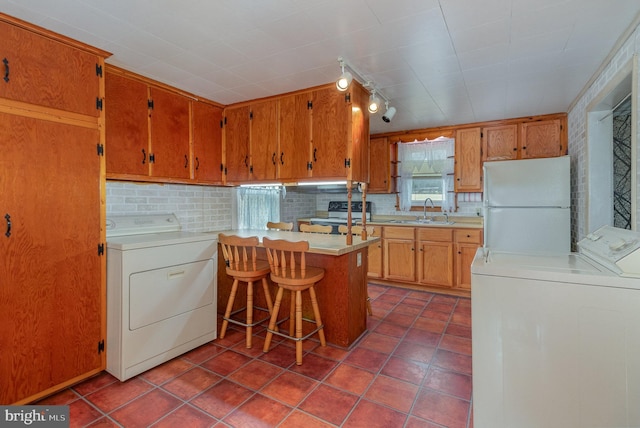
pixel 249 313
pixel 292 314
pixel 316 313
pixel 227 313
pixel 298 294
pixel 274 319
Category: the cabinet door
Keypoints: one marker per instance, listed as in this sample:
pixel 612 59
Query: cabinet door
pixel 379 166
pixel 464 257
pixel 295 136
pixel 45 72
pixel 542 139
pixel 500 143
pixel 264 140
pixel 375 256
pixel 169 134
pixel 468 161
pixel 330 122
pixel 435 264
pixel 127 125
pixel 207 142
pixel 51 301
pixel 236 144
pixel 358 134
pixel 399 257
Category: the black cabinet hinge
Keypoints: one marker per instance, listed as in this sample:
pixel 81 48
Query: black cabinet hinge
pixel 309 165
pixel 309 105
pixel 98 103
pixel 150 104
pixel 221 123
pixel 347 98
pixel 100 148
pixel 101 346
pixel 98 70
pixel 152 158
pixel 250 115
pixel 347 163
pixel 481 135
pixel 101 249
pixel 221 167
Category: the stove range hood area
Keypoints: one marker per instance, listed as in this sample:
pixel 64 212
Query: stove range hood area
pixel 321 187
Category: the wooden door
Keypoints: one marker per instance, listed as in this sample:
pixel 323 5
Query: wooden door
pixel 264 140
pixel 542 139
pixel 295 137
pixel 127 125
pixel 435 264
pixel 45 72
pixel 236 144
pixel 399 260
pixel 51 300
pixel 169 134
pixel 500 143
pixel 379 166
pixel 207 142
pixel 358 134
pixel 329 130
pixel 468 161
pixel 464 257
pixel 375 256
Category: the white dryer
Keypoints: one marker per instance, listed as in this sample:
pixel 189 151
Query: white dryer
pixel 556 338
pixel 161 291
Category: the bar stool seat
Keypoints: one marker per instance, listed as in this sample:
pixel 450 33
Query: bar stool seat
pixel 290 272
pixel 243 266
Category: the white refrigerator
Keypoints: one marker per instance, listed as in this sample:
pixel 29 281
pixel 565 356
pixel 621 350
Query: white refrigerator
pixel 527 205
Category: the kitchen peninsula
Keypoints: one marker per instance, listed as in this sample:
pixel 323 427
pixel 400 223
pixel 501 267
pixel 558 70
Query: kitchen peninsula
pixel 342 293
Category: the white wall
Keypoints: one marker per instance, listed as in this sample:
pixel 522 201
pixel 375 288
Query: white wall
pixel 577 121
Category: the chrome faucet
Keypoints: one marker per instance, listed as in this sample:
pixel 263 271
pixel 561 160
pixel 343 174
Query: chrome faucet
pixel 425 209
pixel 446 218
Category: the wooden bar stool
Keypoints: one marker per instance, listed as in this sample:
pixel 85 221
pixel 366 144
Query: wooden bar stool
pixel 290 271
pixel 281 225
pixel 315 228
pixel 243 266
pixel 357 231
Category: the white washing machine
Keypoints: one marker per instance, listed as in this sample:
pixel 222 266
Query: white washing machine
pixel 161 291
pixel 556 339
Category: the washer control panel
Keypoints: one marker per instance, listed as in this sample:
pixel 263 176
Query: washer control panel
pixel 618 249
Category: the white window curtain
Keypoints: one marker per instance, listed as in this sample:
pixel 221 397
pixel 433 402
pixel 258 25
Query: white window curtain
pixel 427 157
pixel 257 206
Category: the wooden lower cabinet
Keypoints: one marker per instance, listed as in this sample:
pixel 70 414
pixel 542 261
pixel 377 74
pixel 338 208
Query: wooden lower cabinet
pixel 433 257
pixel 399 253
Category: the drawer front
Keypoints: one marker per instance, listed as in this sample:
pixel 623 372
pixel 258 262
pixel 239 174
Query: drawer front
pixel 472 236
pixel 399 232
pixel 435 234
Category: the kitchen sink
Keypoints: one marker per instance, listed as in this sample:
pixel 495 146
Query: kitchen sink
pixel 426 222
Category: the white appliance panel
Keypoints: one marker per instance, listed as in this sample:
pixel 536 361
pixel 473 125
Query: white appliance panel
pixel 160 294
pixel 528 183
pixel 528 229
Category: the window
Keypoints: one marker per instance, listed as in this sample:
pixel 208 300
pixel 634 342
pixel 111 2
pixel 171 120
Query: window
pixel 426 171
pixel 257 205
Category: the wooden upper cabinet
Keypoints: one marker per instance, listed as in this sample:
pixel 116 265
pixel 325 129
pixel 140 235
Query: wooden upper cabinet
pixel 207 142
pixel 264 140
pixel 127 129
pixel 379 165
pixel 294 152
pixel 468 162
pixel 542 139
pixel 45 72
pixel 500 142
pixel 358 137
pixel 236 143
pixel 330 129
pixel 169 134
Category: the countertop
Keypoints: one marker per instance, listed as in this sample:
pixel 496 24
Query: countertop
pixel 333 245
pixel 415 221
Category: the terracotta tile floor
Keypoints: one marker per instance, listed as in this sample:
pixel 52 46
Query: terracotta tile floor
pixel 412 369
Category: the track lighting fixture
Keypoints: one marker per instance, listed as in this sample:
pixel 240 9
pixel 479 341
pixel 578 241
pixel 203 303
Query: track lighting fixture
pixel 388 115
pixel 374 102
pixel 345 78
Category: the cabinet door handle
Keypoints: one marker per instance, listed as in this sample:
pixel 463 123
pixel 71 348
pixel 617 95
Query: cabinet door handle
pixel 281 158
pixel 6 69
pixel 315 159
pixel 197 163
pixel 7 217
pixel 273 158
pixel 144 157
pixel 186 161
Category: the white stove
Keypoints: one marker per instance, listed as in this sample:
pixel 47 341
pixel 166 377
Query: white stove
pixel 337 214
pixel 161 291
pixel 556 338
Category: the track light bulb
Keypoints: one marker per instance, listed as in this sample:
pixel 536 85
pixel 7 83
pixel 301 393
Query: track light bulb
pixel 344 81
pixel 374 103
pixel 388 115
